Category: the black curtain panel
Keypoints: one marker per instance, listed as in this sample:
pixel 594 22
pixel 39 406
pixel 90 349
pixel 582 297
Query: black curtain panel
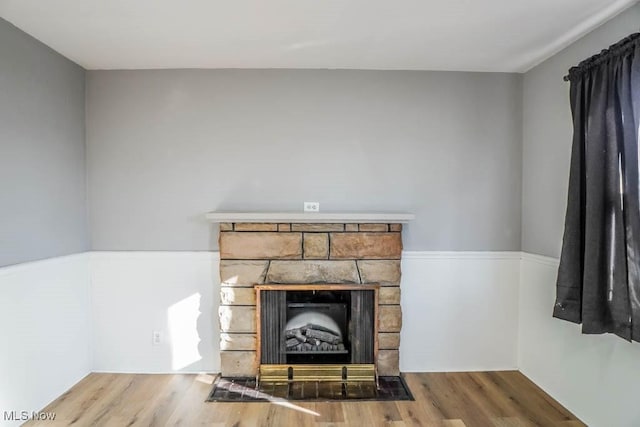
pixel 598 281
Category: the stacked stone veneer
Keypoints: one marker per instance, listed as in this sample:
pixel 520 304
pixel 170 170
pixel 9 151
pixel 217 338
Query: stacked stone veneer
pixel 289 253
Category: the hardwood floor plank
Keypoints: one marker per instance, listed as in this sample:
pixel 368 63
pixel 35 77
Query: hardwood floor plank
pixel 492 402
pixel 482 407
pixel 427 411
pixel 511 422
pixel 386 411
pixel 505 409
pixel 329 412
pixel 358 413
pixel 566 416
pixel 94 406
pixel 535 406
pixel 94 386
pixel 453 400
pixel 476 399
pixel 415 415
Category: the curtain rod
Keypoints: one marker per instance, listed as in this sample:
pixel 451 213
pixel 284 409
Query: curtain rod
pixel 618 49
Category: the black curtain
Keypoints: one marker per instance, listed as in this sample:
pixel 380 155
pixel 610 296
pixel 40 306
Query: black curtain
pixel 598 281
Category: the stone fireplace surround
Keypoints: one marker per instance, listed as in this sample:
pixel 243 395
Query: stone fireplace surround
pixel 271 248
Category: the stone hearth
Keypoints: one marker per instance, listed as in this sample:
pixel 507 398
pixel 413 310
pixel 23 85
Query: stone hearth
pixel 305 253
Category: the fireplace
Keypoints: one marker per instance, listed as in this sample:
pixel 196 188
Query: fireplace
pixel 301 293
pixel 307 325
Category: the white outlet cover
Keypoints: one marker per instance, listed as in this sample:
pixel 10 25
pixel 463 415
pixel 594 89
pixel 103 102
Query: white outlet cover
pixel 311 206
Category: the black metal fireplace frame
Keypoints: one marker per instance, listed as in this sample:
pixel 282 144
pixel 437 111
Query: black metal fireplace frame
pixel 263 293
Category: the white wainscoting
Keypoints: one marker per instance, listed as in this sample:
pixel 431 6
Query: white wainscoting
pixel 597 377
pixel 136 293
pixel 460 311
pixel 45 326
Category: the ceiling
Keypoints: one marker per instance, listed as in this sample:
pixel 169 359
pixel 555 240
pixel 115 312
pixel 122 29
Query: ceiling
pixel 464 35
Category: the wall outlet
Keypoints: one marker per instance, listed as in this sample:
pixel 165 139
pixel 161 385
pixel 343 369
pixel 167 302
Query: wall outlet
pixel 311 207
pixel 157 338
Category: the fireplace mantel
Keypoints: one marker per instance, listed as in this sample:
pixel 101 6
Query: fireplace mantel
pixel 311 217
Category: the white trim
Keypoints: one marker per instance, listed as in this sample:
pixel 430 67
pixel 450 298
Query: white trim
pixel 309 217
pixel 17 268
pixel 518 255
pixel 213 255
pixel 462 255
pixel 540 259
pixel 405 254
pixel 203 255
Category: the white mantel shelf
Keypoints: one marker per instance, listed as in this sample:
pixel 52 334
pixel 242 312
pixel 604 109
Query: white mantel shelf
pixel 307 217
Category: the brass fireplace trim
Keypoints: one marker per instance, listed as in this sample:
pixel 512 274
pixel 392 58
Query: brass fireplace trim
pixel 341 372
pixel 357 370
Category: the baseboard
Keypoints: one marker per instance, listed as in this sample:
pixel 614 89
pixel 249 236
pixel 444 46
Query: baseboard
pixel 460 255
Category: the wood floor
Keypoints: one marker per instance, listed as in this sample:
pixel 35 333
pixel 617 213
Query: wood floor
pixel 494 399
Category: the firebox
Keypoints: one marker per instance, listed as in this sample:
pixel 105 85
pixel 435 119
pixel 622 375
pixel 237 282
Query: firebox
pixel 319 332
pixel 317 327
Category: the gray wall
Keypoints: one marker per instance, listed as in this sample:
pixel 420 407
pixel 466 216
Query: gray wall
pixel 547 133
pixel 42 154
pixel 164 147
